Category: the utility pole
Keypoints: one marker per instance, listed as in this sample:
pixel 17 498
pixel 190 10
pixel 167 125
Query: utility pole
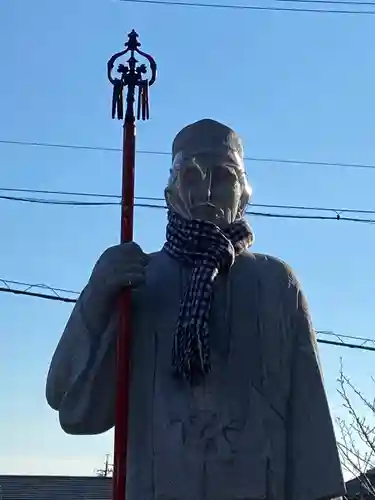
pixel 108 468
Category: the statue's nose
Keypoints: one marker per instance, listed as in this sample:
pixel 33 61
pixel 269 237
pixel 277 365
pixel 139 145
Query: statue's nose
pixel 205 187
pixel 209 185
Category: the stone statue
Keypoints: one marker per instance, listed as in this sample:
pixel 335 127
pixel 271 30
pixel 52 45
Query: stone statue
pixel 226 392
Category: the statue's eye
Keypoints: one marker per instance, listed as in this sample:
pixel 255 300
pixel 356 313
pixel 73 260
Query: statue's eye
pixel 223 175
pixel 191 175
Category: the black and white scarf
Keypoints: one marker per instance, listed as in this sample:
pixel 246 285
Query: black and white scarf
pixel 208 251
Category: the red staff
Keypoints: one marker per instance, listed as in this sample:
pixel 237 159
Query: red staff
pixel 131 76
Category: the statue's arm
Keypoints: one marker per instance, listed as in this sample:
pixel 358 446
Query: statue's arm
pixel 313 466
pixel 81 378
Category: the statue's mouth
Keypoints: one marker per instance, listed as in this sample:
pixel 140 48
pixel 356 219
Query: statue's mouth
pixel 207 211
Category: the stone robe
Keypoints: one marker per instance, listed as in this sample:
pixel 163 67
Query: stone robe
pixel 259 427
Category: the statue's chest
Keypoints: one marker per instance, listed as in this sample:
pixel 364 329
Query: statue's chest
pixel 223 422
pixel 226 412
pixel 234 338
pixel 166 289
pixel 248 331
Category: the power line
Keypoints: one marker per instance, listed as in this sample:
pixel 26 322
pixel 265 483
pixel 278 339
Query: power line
pixel 166 153
pixel 55 296
pixel 38 295
pixel 26 289
pixel 67 193
pixel 331 2
pixel 72 146
pixel 159 199
pixel 345 344
pixel 337 217
pixel 247 7
pixel 72 203
pixel 364 340
pixel 37 285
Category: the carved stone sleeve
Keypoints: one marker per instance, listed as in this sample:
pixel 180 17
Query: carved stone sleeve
pixel 81 378
pixel 313 466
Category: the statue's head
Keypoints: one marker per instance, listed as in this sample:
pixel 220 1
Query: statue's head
pixel 207 179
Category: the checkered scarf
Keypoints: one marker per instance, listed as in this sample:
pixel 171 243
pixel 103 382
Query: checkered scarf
pixel 208 251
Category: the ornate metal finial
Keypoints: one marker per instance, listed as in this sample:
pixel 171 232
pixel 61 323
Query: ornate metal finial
pixel 132 76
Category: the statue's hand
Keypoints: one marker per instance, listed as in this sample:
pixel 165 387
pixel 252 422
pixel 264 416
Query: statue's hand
pixel 119 267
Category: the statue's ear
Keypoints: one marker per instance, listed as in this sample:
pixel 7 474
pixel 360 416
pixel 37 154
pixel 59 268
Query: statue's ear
pixel 173 200
pixel 245 198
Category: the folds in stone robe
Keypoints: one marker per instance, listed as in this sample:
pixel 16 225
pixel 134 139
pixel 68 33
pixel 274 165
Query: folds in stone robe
pixel 258 427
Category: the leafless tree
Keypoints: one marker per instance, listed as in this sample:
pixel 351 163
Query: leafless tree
pixel 356 440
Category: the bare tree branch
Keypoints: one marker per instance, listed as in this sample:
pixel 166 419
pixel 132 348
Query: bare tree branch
pixel 357 433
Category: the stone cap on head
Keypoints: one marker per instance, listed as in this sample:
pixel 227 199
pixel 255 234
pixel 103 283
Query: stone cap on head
pixel 207 136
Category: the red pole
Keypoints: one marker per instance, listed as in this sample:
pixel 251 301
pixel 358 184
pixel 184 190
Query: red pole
pixel 131 77
pixel 124 337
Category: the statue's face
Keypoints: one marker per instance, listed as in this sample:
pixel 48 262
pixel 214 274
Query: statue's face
pixel 208 187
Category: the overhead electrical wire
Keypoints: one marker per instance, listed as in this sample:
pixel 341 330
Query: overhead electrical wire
pixel 365 166
pixel 337 217
pixel 358 3
pixel 29 286
pixel 159 199
pixel 26 290
pixel 345 344
pixel 204 5
pixel 38 295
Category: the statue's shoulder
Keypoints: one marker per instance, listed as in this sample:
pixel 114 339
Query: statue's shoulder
pixel 158 258
pixel 268 266
pixel 155 255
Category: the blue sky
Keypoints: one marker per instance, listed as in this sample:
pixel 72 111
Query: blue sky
pixel 294 85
